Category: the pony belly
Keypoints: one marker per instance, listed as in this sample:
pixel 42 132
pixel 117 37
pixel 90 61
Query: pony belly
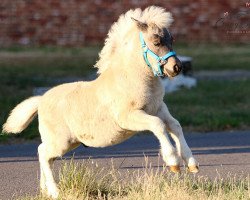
pixel 105 139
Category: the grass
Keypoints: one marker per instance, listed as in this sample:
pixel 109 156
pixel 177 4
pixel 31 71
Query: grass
pixel 205 56
pixel 36 65
pixel 217 57
pixel 213 105
pixel 23 69
pixel 80 181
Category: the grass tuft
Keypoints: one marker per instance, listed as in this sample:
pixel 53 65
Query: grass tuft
pixel 86 181
pixel 82 182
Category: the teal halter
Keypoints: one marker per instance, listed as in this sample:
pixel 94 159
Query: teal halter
pixel 146 51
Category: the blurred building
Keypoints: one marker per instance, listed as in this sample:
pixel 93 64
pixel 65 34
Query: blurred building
pixel 85 22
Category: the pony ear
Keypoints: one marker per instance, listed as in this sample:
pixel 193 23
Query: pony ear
pixel 142 26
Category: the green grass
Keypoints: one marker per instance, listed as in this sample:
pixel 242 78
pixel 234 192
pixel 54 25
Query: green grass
pixel 23 69
pixel 39 64
pixel 205 56
pixel 217 57
pixel 82 181
pixel 212 105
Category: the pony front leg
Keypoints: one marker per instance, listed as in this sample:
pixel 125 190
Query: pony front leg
pixel 139 121
pixel 176 133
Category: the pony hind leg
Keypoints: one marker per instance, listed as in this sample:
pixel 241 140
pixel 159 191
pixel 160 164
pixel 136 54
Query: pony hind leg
pixel 47 182
pixel 48 151
pixel 42 177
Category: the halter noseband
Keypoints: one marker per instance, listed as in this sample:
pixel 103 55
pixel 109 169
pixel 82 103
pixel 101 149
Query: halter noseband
pixel 159 60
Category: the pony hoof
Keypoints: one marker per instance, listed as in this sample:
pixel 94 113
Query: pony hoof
pixel 53 192
pixel 193 169
pixel 175 168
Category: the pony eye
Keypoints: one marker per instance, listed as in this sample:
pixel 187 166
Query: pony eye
pixel 157 44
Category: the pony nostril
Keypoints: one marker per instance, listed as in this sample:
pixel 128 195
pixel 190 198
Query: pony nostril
pixel 177 68
pixel 163 62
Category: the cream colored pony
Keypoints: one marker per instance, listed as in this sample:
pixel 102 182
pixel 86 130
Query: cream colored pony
pixel 124 99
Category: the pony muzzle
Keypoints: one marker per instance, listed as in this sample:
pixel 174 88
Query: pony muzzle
pixel 171 67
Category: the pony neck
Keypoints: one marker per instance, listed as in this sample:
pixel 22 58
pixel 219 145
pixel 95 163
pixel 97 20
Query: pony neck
pixel 134 63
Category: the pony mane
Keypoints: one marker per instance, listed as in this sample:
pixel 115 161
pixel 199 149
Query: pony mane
pixel 120 29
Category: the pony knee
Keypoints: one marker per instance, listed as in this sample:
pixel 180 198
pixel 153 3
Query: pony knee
pixel 175 128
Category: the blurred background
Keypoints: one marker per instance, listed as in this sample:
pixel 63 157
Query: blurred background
pixel 86 22
pixel 47 42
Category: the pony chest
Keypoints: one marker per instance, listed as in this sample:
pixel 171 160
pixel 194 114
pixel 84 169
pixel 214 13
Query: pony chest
pixel 148 96
pixel 153 106
pixel 149 102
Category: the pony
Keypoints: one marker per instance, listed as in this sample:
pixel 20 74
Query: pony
pixel 125 98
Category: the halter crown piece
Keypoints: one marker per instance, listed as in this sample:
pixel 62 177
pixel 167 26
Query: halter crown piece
pixel 147 51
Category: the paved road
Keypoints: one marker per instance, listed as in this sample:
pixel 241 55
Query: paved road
pixel 216 152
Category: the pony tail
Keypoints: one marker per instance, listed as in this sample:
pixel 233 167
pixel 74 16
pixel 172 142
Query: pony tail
pixel 21 116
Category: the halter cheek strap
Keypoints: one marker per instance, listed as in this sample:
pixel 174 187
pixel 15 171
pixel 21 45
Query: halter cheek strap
pixel 146 51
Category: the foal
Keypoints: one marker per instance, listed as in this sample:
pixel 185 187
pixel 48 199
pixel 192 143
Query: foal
pixel 127 97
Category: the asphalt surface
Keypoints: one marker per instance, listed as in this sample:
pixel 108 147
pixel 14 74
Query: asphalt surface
pixel 219 155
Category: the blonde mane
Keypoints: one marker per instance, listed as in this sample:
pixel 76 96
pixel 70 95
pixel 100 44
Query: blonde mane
pixel 120 29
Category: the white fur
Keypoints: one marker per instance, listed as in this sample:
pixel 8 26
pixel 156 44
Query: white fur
pixel 124 99
pixel 21 115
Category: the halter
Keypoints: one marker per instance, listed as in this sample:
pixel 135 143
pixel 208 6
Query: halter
pixel 159 60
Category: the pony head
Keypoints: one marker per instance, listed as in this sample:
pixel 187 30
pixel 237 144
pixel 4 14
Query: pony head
pixel 151 26
pixel 157 45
